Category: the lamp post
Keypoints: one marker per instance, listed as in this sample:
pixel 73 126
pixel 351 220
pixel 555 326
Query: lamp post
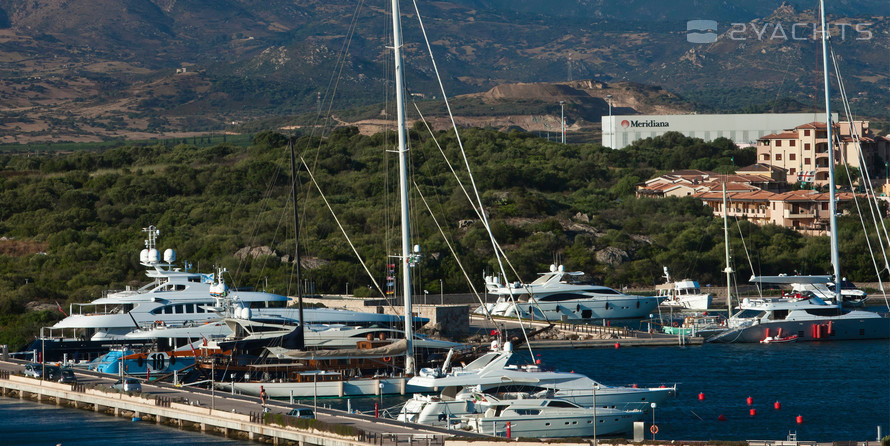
pixel 595 385
pixel 347 288
pixel 654 429
pixel 562 120
pixel 441 293
pixel 611 124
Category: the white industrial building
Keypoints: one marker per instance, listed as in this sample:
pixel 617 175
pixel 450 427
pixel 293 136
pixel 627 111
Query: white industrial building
pixel 621 130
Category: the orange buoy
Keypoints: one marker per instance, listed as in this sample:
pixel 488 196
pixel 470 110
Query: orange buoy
pixel 799 419
pixel 721 418
pixel 750 401
pixel 752 412
pixel 701 397
pixel 777 405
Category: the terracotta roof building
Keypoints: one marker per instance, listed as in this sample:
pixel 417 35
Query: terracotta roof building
pixel 803 150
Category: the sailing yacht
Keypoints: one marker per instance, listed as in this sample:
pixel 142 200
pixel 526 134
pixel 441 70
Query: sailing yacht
pixel 558 295
pixel 805 315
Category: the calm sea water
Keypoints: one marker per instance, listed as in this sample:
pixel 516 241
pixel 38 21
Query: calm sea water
pixel 841 389
pixel 31 423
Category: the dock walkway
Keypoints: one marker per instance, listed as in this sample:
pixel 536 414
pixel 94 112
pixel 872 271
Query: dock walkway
pixel 213 411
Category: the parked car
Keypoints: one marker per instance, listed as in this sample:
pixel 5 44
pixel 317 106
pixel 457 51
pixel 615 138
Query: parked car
pixel 128 385
pixel 302 413
pixel 67 376
pixel 52 372
pixel 34 370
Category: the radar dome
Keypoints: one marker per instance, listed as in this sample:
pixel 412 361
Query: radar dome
pixel 245 313
pixel 552 268
pixel 143 256
pixel 169 256
pixel 154 256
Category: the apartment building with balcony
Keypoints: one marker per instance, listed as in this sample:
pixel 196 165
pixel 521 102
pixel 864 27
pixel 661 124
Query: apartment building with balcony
pixel 804 210
pixel 803 151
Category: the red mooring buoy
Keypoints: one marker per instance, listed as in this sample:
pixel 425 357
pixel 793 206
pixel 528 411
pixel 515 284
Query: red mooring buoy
pixel 750 401
pixel 777 405
pixel 799 419
pixel 617 345
pixel 752 412
pixel 701 397
pixel 721 418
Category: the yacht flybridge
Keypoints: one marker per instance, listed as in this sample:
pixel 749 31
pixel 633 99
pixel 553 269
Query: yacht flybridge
pixel 560 295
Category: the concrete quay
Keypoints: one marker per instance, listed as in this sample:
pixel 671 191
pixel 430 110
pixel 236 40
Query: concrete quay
pixel 215 412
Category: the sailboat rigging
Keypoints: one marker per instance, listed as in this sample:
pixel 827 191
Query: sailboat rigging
pixel 808 317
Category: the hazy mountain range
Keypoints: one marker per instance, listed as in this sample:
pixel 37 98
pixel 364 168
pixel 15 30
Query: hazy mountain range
pixel 82 70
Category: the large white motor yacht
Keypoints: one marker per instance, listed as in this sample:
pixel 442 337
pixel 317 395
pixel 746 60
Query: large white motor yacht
pixel 559 295
pixel 491 374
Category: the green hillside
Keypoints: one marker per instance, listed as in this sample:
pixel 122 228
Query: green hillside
pixel 71 221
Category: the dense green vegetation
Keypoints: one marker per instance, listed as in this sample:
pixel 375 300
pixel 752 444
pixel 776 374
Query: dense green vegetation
pixel 71 221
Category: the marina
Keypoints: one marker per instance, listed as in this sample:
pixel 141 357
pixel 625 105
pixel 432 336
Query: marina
pixel 561 356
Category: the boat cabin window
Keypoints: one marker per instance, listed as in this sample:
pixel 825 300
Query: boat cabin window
pixel 194 279
pixel 166 309
pixel 778 315
pixel 558 403
pixel 559 297
pixel 178 309
pixel 527 411
pixel 832 311
pixel 605 290
pixel 126 308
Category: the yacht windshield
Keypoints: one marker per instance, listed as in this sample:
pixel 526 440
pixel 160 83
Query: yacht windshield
pixel 750 314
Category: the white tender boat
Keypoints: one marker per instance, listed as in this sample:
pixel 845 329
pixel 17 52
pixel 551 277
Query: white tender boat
pixel 558 295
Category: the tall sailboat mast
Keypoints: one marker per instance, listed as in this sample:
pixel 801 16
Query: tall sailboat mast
pixel 728 269
pixel 403 185
pixel 832 201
